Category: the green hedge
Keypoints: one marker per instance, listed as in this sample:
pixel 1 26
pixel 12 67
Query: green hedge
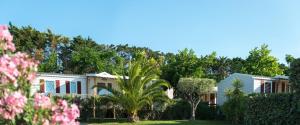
pixel 272 109
pixel 181 109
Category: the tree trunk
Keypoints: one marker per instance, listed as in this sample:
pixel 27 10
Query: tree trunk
pixel 193 112
pixel 133 117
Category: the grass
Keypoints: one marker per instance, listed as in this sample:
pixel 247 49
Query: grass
pixel 167 122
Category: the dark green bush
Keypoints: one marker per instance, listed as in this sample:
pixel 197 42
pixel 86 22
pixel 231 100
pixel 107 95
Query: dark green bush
pixel 271 109
pixel 178 109
pixel 206 112
pixel 181 109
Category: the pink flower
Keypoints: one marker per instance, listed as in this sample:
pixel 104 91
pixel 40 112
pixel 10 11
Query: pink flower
pixel 45 122
pixel 6 39
pixel 19 69
pixel 18 65
pixel 64 115
pixel 41 101
pixel 12 104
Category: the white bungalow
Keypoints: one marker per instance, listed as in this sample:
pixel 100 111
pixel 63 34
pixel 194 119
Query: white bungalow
pixel 253 84
pixel 76 85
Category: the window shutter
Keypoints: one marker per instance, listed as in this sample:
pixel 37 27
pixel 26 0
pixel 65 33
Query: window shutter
pixel 78 87
pixel 262 87
pixel 282 87
pixel 42 85
pixel 57 86
pixel 67 86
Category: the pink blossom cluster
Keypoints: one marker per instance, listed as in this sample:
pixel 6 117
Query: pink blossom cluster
pixel 12 104
pixel 41 101
pixel 19 69
pixel 60 113
pixel 6 39
pixel 16 66
pixel 63 114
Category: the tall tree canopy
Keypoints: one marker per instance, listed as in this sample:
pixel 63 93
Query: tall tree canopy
pixel 58 53
pixel 260 62
pixel 183 64
pixel 289 59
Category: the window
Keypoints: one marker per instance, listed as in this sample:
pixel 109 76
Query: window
pixel 78 87
pixel 268 87
pixel 99 90
pixel 50 87
pixel 67 86
pixel 109 86
pixel 274 85
pixel 57 86
pixel 42 85
pixel 73 87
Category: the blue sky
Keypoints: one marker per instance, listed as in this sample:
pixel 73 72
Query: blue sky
pixel 229 27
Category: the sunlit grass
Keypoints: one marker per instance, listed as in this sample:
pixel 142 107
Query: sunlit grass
pixel 169 122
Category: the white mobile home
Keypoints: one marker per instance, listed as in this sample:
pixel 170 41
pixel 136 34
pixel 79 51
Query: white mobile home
pixel 77 85
pixel 253 84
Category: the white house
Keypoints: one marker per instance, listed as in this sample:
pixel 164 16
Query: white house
pixel 77 85
pixel 60 84
pixel 253 84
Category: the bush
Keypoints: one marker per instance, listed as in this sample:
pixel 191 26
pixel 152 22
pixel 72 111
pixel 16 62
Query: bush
pixel 234 107
pixel 272 109
pixel 155 111
pixel 206 112
pixel 180 109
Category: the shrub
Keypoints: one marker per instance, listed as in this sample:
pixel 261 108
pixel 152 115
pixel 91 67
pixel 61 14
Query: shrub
pixel 234 107
pixel 180 109
pixel 272 109
pixel 206 112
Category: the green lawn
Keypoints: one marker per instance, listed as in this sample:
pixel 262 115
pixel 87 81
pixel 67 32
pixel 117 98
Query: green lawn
pixel 171 122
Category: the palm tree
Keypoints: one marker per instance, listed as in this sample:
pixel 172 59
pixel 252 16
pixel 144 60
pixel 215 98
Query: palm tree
pixel 141 88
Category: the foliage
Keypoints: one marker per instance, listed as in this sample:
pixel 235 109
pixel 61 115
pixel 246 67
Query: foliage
pixel 192 89
pixel 29 40
pixel 73 55
pixel 180 109
pixel 234 107
pixel 140 89
pixel 295 75
pixel 17 106
pixel 208 112
pixel 221 68
pixel 237 65
pixel 183 64
pixel 177 109
pixel 289 58
pixel 260 62
pixel 271 109
pixel 50 64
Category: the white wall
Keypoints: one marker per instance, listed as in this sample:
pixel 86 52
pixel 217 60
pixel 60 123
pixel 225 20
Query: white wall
pixel 257 84
pixel 91 85
pixel 227 84
pixel 62 80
